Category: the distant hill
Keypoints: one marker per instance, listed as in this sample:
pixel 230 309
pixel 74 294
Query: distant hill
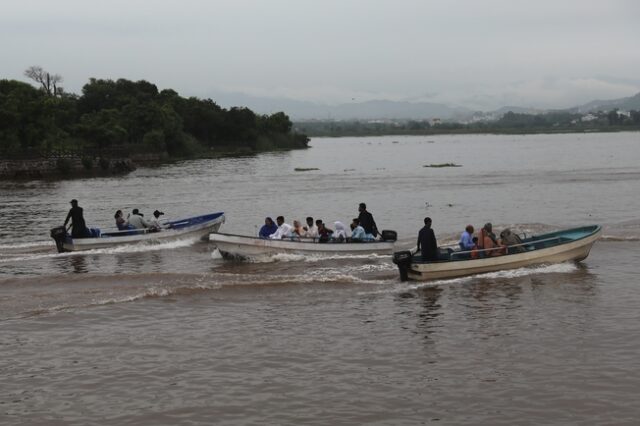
pixel 369 110
pixel 394 110
pixel 625 104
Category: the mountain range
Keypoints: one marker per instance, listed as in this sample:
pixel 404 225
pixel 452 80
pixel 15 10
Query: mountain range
pixel 394 110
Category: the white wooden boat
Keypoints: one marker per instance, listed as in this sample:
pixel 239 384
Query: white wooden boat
pixel 555 247
pixel 192 227
pixel 241 246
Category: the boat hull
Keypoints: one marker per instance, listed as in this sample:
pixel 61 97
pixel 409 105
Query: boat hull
pixel 238 246
pixel 200 227
pixel 570 251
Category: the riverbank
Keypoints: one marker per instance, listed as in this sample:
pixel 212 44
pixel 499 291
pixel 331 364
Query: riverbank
pixel 76 165
pixel 61 167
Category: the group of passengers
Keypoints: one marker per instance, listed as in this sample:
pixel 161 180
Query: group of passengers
pixel 486 244
pixel 362 228
pixel 136 220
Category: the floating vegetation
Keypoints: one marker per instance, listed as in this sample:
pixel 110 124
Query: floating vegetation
pixel 305 169
pixel 442 165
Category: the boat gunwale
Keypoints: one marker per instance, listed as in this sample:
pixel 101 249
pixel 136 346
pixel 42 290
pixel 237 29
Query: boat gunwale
pixel 595 230
pixel 79 244
pixel 121 233
pixel 305 240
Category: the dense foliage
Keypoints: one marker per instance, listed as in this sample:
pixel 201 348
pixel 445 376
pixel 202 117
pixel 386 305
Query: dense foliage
pixel 132 117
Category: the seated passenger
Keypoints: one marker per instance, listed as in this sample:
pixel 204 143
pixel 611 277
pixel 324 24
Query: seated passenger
pixel 268 228
pixel 466 239
pixel 136 220
pixel 508 238
pixel 488 242
pixel 297 231
pixel 324 233
pixel 357 231
pixel 283 231
pixel 155 224
pixel 121 222
pixel 311 231
pixel 340 234
pixel 474 249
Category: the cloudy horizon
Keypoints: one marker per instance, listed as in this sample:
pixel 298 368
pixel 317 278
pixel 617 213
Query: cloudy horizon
pixel 475 54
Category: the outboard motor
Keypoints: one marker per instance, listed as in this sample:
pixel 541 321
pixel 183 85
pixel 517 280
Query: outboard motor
pixel 403 260
pixel 388 235
pixel 59 234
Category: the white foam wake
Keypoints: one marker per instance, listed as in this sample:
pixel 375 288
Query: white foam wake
pixel 129 248
pixel 290 257
pixel 559 268
pixel 27 245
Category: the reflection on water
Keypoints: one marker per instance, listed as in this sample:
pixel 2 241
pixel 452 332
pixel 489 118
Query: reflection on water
pixel 430 310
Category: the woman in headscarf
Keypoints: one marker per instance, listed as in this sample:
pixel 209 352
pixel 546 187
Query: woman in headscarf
pixel 340 233
pixel 488 242
pixel 268 228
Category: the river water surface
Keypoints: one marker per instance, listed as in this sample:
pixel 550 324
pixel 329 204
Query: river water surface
pixel 171 334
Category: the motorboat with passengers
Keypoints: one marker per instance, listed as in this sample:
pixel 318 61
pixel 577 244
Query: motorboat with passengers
pixel 191 227
pixel 242 246
pixel 555 247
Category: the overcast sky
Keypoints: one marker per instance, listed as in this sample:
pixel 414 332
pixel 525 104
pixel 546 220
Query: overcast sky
pixel 473 53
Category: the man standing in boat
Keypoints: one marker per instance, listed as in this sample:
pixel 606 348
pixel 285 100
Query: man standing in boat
pixel 366 221
pixel 78 226
pixel 427 244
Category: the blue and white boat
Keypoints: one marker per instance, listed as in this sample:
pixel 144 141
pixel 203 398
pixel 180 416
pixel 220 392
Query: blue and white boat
pixel 555 247
pixel 192 227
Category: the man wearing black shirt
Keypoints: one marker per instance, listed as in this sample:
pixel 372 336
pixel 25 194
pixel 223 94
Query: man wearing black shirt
pixel 366 220
pixel 78 227
pixel 427 241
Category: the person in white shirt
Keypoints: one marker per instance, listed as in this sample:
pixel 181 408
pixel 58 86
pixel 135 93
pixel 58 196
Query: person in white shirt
pixel 136 219
pixel 311 229
pixel 284 229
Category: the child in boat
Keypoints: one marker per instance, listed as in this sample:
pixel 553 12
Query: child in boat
pixel 474 248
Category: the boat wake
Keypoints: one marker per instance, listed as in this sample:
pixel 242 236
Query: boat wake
pixel 68 293
pixel 620 238
pixel 560 268
pixel 397 287
pixel 309 258
pixel 133 248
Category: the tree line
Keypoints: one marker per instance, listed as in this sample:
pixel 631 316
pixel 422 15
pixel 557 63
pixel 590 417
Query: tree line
pixel 510 122
pixel 130 115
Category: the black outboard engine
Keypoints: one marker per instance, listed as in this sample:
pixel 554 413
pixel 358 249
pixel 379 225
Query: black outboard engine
pixel 403 260
pixel 59 234
pixel 388 235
